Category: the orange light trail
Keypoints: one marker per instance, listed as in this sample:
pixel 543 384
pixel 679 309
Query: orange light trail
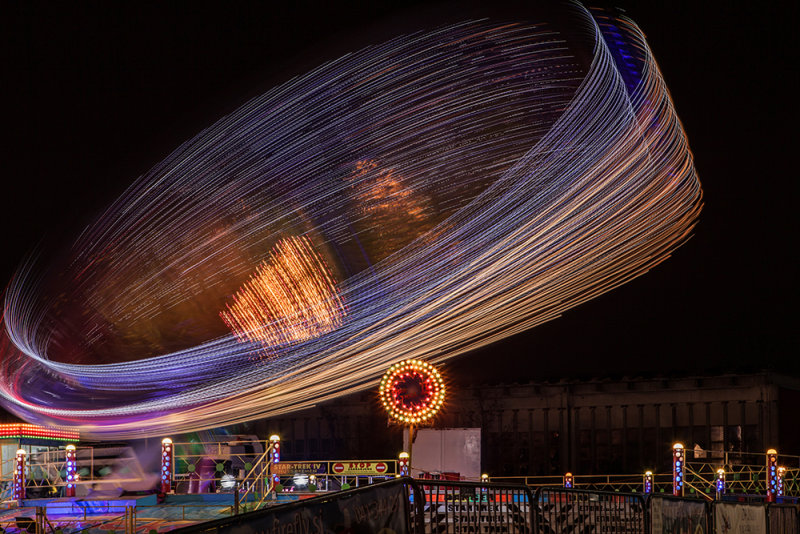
pixel 291 297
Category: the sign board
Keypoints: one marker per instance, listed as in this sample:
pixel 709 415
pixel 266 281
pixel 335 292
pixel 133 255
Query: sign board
pixel 359 468
pixel 299 468
pixel 448 450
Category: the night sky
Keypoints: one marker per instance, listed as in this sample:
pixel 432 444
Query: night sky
pixel 94 95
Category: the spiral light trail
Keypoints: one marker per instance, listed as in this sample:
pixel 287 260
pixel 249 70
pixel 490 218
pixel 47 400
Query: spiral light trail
pixel 419 198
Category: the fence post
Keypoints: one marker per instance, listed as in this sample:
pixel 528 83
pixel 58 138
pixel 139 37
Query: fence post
pixel 678 473
pixel 166 465
pixel 39 520
pixel 19 475
pixel 275 457
pixel 72 469
pixel 772 475
pixel 419 505
pixel 533 509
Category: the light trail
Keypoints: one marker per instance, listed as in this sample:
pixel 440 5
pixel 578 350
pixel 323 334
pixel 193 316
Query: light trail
pixel 290 299
pixel 461 184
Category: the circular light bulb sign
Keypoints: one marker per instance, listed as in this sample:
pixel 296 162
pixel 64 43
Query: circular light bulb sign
pixel 412 391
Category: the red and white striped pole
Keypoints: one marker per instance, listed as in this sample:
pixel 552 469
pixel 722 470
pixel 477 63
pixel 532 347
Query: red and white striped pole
pixel 678 469
pixel 72 470
pixel 19 476
pixel 275 456
pixel 402 464
pixel 167 452
pixel 772 475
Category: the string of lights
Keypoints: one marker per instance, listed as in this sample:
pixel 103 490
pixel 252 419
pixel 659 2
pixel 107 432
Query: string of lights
pixel 418 198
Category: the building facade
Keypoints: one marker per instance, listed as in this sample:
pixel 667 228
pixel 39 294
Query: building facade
pixel 600 426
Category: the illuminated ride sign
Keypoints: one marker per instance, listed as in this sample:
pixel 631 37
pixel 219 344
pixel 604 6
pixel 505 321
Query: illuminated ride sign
pixel 412 391
pixel 360 468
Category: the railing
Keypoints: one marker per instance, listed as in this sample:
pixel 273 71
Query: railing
pixel 200 465
pixel 258 479
pixel 633 483
pixel 425 507
pixel 745 473
pixel 573 510
pixel 449 505
pixel 45 469
pixel 129 519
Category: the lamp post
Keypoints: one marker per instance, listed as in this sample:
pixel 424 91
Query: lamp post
pixel 648 482
pixel 678 469
pixel 72 469
pixel 569 481
pixel 402 464
pixel 720 483
pixel 772 475
pixel 167 451
pixel 19 475
pixel 412 392
pixel 275 456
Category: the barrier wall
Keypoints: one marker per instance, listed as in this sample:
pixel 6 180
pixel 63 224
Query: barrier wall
pixel 471 507
pixel 381 507
pixel 739 518
pixel 408 506
pixel 783 518
pixel 670 515
pixel 570 510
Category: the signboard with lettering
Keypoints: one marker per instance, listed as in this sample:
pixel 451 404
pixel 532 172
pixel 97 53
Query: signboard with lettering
pixel 359 468
pixel 299 468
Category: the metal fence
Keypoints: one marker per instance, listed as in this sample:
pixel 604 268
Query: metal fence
pixel 406 505
pixel 573 510
pixel 460 507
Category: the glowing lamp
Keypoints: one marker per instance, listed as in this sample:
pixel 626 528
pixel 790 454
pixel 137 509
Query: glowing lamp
pixel 648 482
pixel 402 464
pixel 484 477
pixel 678 469
pixel 167 452
pixel 772 475
pixel 720 482
pixel 569 480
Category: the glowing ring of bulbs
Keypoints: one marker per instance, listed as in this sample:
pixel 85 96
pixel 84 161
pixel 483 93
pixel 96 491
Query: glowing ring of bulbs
pixel 412 391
